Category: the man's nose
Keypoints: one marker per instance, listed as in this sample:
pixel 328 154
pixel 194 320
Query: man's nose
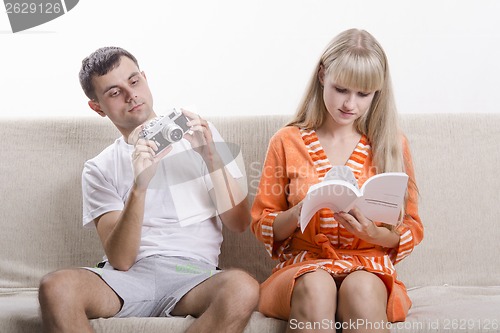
pixel 131 95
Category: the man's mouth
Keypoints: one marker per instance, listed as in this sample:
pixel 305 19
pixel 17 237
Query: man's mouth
pixel 135 107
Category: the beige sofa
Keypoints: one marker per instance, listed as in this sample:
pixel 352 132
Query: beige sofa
pixel 453 276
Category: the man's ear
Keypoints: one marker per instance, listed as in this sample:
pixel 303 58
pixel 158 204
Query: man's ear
pixel 96 107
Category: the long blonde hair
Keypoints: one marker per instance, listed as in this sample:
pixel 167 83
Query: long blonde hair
pixel 355 59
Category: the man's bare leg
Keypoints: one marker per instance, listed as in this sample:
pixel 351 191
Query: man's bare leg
pixel 223 303
pixel 68 298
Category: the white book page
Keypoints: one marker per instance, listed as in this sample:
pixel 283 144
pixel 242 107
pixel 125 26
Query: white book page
pixel 383 197
pixel 337 195
pixel 341 172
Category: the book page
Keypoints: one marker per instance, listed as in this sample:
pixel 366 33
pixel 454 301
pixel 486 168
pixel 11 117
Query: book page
pixel 383 197
pixel 341 172
pixel 337 195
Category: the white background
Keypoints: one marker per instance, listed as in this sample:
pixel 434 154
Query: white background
pixel 254 57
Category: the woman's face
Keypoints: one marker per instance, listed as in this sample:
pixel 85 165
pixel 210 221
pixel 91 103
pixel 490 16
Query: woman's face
pixel 345 105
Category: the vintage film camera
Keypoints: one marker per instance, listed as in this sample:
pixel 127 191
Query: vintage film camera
pixel 166 129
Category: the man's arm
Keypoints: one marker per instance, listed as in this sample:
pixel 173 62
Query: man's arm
pixel 120 231
pixel 230 200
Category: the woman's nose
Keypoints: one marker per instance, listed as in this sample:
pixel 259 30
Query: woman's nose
pixel 350 102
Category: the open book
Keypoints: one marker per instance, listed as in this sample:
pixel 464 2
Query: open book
pixel 379 199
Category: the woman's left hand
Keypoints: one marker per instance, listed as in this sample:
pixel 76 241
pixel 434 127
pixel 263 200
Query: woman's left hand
pixel 358 225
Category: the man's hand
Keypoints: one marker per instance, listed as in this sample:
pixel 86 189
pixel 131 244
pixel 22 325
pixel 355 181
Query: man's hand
pixel 144 158
pixel 200 138
pixel 229 199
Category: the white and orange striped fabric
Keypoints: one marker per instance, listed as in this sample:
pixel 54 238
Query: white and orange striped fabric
pixel 295 160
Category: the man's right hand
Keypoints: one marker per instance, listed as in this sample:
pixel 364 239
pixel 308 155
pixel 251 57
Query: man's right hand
pixel 144 158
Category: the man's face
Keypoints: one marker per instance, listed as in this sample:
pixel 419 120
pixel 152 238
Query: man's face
pixel 123 96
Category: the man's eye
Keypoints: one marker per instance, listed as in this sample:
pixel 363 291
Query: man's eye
pixel 114 93
pixel 134 80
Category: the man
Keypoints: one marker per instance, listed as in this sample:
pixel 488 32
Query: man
pixel 161 254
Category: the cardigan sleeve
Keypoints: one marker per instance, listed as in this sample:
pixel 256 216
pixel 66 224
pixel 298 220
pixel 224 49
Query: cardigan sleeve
pixel 411 230
pixel 271 197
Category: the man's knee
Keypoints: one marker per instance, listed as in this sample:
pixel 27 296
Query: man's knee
pixel 238 287
pixel 75 290
pixel 54 287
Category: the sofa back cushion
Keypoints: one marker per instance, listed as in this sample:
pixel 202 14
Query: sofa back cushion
pixel 455 157
pixel 41 164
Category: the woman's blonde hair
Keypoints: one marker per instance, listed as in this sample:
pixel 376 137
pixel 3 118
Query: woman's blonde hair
pixel 355 60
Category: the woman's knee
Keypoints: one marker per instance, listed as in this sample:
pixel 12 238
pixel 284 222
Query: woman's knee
pixel 314 292
pixel 365 285
pixel 362 294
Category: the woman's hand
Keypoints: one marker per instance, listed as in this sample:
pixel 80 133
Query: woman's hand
pixel 358 225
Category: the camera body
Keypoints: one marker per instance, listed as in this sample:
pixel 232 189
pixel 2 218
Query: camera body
pixel 165 129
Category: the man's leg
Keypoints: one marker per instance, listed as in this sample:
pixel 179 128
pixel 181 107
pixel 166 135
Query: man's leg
pixel 68 298
pixel 222 303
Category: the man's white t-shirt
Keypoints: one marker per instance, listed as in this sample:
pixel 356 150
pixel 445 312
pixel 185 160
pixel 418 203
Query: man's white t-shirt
pixel 180 218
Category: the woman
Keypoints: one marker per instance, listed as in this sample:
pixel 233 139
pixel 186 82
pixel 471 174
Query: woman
pixel 339 272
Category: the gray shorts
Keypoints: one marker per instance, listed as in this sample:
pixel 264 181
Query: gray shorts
pixel 153 285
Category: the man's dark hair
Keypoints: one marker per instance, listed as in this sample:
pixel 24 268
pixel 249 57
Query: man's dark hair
pixel 99 63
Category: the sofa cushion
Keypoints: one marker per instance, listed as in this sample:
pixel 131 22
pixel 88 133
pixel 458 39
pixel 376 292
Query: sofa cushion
pixel 453 309
pixel 435 309
pixel 19 311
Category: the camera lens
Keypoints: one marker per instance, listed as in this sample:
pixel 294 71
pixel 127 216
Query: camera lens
pixel 172 133
pixel 175 135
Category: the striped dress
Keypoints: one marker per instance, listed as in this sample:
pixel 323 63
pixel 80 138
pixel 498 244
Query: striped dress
pixel 295 160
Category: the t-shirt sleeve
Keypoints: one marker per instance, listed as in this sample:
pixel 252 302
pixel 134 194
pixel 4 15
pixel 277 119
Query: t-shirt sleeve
pixel 98 194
